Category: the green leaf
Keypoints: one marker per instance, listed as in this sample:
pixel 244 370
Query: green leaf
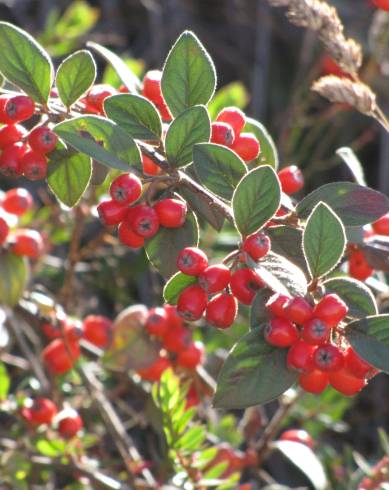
pixel 370 339
pixel 324 240
pixel 136 115
pixel 190 127
pixel 163 248
pixel 69 174
pixel 5 382
pixel 258 312
pixel 356 294
pixel 256 199
pixel 352 162
pixel 354 204
pixel 53 448
pixel 25 63
pixel 175 285
pixel 233 94
pixel 192 439
pixel 288 242
pixel 189 76
pixel 14 273
pixel 129 79
pixel 218 168
pixel 254 373
pixel 75 75
pixel 268 154
pixel 200 204
pixel 101 139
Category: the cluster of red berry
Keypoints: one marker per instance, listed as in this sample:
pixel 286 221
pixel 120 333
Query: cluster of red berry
pixel 43 411
pixel 23 152
pixel 21 241
pixel 314 338
pixel 138 222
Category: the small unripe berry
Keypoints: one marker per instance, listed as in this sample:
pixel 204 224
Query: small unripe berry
pixel 192 302
pixel 17 201
pixel 10 134
pixel 60 358
pixel 128 237
pixel 70 425
pixel 331 309
pixel 222 134
pixel 244 285
pixel 125 189
pixel 4 230
pixel 192 356
pixel 154 372
pixel 315 332
pixel 328 358
pixel 315 381
pixel 27 243
pixel 291 179
pixel 192 261
pixel 152 86
pixel 297 435
pixel 10 164
pixel 300 357
pixel 98 330
pixel 345 383
pixel 33 165
pixel 111 213
pixel 355 365
pixel 299 310
pixel 358 266
pixel 42 411
pixel 381 226
pixel 234 117
pixel 171 212
pixel 157 322
pixel 280 333
pixel 246 145
pixel 276 305
pixel 97 95
pixel 42 139
pixel 149 167
pixel 256 245
pixel 19 108
pixel 215 278
pixel 222 310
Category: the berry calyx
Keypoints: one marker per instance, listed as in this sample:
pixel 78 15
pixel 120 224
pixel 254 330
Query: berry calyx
pixel 60 358
pixel 70 425
pixel 234 117
pixel 42 139
pixel 10 134
pixel 355 365
pixel 19 108
pixel 299 310
pixel 222 134
pixel 171 212
pixel 98 330
pixel 125 189
pixel 42 411
pixel 144 221
pixel 315 381
pixel 157 322
pixel 192 356
pixel 33 165
pixel 17 201
pixel 300 357
pixel 276 305
pixel 111 212
pixel 345 383
pixel 244 284
pixel 27 243
pixel 280 333
pixel 246 145
pixel 291 179
pixel 256 245
pixel 315 332
pixel 214 278
pixel 297 435
pixel 154 372
pixel 331 309
pixel 381 226
pixel 222 310
pixel 192 302
pixel 192 261
pixel 328 358
pixel 128 237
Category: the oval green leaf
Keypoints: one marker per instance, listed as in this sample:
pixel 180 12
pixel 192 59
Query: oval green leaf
pixel 354 204
pixel 25 63
pixel 200 204
pixel 254 373
pixel 288 242
pixel 324 240
pixel 218 168
pixel 101 139
pixel 163 248
pixel 75 75
pixel 14 274
pixel 136 115
pixel 176 285
pixel 268 154
pixel 256 199
pixel 190 127
pixel 189 76
pixel 356 294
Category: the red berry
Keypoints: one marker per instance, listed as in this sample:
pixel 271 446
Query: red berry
pixel 174 319
pixel 4 118
pixel 149 167
pixel 300 357
pixel 276 305
pixel 192 356
pixel 54 329
pixel 299 310
pixel 222 310
pixel 359 267
pixel 315 332
pixel 291 179
pixel 280 333
pixel 192 261
pixel 42 139
pixel 256 245
pixel 98 330
pixel 171 212
pixel 192 302
pixel 246 145
pixel 154 372
pixel 234 117
pixel 17 201
pixel 10 160
pixel 19 108
pixel 215 278
pixel 297 435
pixel 97 95
pixel 381 226
pixel 70 425
pixel 42 411
pixel 331 309
pixel 222 133
pixel 328 358
pixel 74 330
pixel 10 134
pixel 125 189
pixel 330 67
pixel 157 322
pixel 60 358
pixel 177 338
pixel 314 382
pixel 33 165
pixel 27 243
pixel 152 86
pixel 144 221
pixel 355 365
pixel 128 237
pixel 4 230
pixel 345 383
pixel 382 4
pixel 244 285
pixel 111 213
pixel 164 111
